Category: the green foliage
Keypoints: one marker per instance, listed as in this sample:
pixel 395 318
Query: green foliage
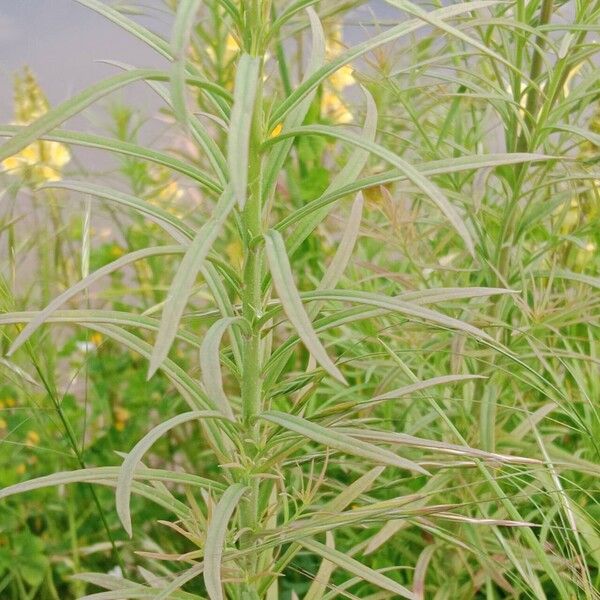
pixel 334 334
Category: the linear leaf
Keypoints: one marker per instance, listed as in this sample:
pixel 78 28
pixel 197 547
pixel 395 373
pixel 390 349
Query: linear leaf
pixel 238 140
pixel 433 19
pixel 431 190
pixel 210 364
pixel 321 579
pixel 215 539
pixel 85 283
pixel 392 437
pixel 297 115
pixel 170 223
pixel 367 46
pixel 345 247
pixel 95 474
pixel 184 279
pixel 73 106
pixel 434 167
pixel 406 308
pixel 348 174
pixel 131 462
pixel 339 441
pixel 422 385
pixel 180 39
pixel 120 147
pixel 356 568
pixel 292 304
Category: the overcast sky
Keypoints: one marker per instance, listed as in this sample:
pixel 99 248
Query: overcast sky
pixel 61 40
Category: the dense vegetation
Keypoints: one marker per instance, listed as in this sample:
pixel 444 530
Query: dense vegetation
pixel 324 326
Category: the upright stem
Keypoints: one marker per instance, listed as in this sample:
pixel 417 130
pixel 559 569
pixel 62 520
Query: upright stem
pixel 251 295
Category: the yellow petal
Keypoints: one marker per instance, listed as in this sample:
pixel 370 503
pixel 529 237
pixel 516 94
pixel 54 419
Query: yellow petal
pixel 342 78
pixel 276 130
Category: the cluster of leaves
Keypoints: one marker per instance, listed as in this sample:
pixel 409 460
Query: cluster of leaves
pixel 371 334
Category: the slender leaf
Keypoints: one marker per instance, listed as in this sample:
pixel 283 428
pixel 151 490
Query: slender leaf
pixel 215 539
pixel 292 304
pixel 184 280
pixel 340 441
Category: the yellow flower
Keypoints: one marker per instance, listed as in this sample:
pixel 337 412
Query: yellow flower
pixel 333 108
pixel 342 78
pixel 43 160
pixel 231 44
pixel 32 438
pixel 96 339
pixel 276 130
pixel 30 102
pixel 165 192
pixel 116 251
pixel 121 416
pixel 3 424
pixel 20 469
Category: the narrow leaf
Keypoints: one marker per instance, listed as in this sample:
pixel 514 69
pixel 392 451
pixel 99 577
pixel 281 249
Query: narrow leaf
pixel 238 140
pixel 127 471
pixel 292 304
pixel 340 441
pixel 180 39
pixel 210 364
pixel 184 280
pixel 215 540
pixel 353 566
pixel 431 190
pixel 84 284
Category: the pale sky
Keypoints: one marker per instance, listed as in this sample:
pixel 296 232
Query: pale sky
pixel 62 41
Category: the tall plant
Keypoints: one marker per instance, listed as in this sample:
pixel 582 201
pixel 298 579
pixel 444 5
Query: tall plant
pixel 290 395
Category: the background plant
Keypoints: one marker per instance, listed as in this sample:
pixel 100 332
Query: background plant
pixel 368 297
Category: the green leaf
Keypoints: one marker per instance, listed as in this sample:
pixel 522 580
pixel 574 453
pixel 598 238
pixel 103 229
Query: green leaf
pixel 131 462
pixel 101 474
pixel 176 228
pixel 210 364
pixel 128 149
pixel 238 139
pixel 435 167
pixel 84 284
pixel 59 114
pixel 340 441
pixel 348 174
pixel 370 44
pixel 353 566
pixel 184 280
pixel 215 539
pixel 296 116
pixel 292 304
pixel 180 40
pixel 431 190
pixel 423 385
